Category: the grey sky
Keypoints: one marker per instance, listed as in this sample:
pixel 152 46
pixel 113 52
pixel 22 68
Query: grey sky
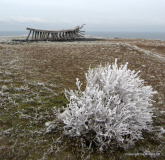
pixel 99 15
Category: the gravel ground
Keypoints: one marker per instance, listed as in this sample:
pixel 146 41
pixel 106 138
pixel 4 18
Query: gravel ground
pixel 33 76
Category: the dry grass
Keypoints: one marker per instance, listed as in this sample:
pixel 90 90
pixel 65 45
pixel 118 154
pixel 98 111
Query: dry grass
pixel 33 77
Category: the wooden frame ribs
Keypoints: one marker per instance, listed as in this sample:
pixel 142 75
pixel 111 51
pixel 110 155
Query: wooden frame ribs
pixel 38 34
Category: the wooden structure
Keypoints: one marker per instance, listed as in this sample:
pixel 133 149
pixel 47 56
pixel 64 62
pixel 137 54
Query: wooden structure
pixel 38 34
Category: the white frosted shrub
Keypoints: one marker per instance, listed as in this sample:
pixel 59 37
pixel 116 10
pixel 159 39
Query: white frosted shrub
pixel 115 107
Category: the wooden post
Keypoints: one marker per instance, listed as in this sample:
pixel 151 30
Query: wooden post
pixel 41 35
pixel 28 35
pixel 38 33
pixel 53 35
pixel 44 35
pixel 59 35
pixel 56 34
pixel 48 34
pixel 33 35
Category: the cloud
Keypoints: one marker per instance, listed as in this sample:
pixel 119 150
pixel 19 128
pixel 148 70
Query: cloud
pixel 2 20
pixel 22 19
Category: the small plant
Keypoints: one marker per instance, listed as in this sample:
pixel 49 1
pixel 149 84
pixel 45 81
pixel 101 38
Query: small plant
pixel 113 109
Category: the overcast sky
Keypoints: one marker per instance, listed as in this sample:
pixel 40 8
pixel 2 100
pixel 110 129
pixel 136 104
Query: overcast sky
pixel 99 15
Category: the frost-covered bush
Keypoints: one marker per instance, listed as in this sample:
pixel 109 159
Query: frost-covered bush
pixel 114 107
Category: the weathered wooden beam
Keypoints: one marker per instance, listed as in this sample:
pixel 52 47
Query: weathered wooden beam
pixel 33 34
pixel 55 34
pixel 52 36
pixel 67 35
pixel 63 30
pixel 48 35
pixel 81 33
pixel 42 36
pixel 28 35
pixel 38 34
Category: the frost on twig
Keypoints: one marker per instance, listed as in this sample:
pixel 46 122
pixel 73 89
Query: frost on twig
pixel 114 107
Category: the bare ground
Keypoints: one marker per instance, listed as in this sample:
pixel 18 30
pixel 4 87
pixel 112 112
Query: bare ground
pixel 33 76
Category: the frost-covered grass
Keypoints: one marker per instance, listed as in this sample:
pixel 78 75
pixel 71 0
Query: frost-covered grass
pixel 33 77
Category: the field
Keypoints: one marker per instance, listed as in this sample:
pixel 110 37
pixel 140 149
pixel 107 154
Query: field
pixel 33 77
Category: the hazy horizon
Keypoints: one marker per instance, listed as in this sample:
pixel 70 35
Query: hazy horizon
pixel 98 15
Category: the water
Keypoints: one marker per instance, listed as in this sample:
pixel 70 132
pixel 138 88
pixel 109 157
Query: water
pixel 12 33
pixel 146 35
